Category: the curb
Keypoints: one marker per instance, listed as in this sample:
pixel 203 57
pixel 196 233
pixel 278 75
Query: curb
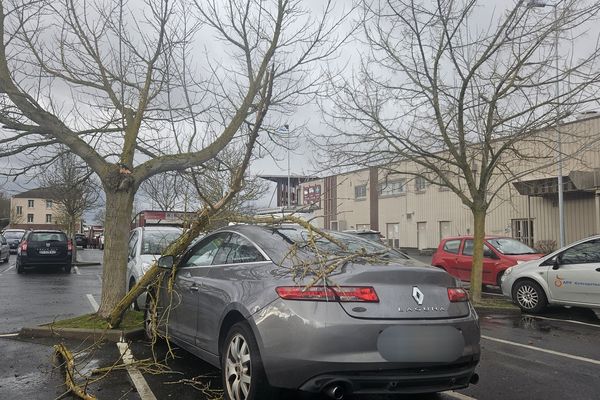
pixel 109 335
pixel 86 264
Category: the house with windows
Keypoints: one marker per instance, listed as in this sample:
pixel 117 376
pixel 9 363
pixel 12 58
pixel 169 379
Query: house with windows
pixel 34 209
pixel 413 212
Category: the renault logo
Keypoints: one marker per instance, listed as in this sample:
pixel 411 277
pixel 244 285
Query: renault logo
pixel 418 295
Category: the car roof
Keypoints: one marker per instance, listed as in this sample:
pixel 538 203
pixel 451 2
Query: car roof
pixel 160 228
pixel 471 237
pixel 13 230
pixel 45 231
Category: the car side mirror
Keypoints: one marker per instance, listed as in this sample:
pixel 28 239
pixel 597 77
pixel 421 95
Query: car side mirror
pixel 556 262
pixel 166 262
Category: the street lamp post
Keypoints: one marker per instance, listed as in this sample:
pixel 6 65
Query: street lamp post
pixel 561 209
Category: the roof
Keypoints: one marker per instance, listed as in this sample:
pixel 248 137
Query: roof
pixel 39 193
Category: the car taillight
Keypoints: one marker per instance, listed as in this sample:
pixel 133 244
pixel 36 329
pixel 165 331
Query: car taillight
pixel 338 293
pixel 69 245
pixel 456 295
pixel 24 246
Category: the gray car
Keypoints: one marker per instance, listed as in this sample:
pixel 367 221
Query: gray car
pixel 569 276
pixel 390 326
pixel 4 249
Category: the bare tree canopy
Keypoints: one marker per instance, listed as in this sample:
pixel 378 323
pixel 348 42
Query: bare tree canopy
pixel 460 94
pixel 136 89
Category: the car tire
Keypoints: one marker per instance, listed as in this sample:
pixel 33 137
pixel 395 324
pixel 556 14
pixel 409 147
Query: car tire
pixel 529 296
pixel 240 344
pixel 67 268
pixel 151 318
pixel 19 267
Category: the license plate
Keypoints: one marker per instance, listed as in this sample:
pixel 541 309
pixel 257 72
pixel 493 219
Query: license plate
pixel 45 252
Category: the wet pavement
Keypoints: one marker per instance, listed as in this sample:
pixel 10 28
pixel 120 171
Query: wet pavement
pixel 553 356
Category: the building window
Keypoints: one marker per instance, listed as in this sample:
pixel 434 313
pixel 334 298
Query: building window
pixel 48 203
pixel 392 188
pixel 420 184
pixel 360 192
pixel 49 218
pixel 523 231
pixel 393 235
pixel 30 203
pixel 363 227
pixel 29 217
pixel 19 210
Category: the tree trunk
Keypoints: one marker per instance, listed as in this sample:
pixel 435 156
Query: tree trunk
pixel 477 267
pixel 119 205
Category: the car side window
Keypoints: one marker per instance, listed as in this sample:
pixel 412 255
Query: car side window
pixel 133 239
pixel 451 246
pixel 2 240
pixel 238 250
pixel 583 253
pixel 204 252
pixel 469 246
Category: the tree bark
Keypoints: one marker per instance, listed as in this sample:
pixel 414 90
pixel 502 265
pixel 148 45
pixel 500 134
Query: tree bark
pixel 477 266
pixel 119 205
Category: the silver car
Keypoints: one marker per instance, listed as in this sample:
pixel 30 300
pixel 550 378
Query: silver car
pixel 145 246
pixel 241 304
pixel 569 276
pixel 4 249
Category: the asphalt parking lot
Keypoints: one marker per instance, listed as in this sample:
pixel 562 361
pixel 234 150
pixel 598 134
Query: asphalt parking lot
pixel 553 356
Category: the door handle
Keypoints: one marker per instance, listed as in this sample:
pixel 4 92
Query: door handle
pixel 194 288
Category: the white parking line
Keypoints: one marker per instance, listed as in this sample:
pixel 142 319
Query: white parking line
pixel 9 334
pixel 76 268
pixel 7 269
pixel 555 353
pixel 457 395
pixel 136 376
pixel 92 302
pixel 572 321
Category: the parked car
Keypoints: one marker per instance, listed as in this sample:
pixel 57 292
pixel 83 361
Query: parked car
pixel 455 255
pixel 395 326
pixel 570 276
pixel 4 249
pixel 146 244
pixel 81 240
pixel 13 237
pixel 366 234
pixel 44 248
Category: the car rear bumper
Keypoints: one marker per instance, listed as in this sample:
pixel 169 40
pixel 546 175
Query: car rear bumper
pixel 401 381
pixel 308 345
pixel 36 261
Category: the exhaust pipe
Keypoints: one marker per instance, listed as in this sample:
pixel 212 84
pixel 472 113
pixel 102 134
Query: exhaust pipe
pixel 474 379
pixel 335 392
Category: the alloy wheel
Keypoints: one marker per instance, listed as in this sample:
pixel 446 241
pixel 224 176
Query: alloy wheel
pixel 527 297
pixel 238 371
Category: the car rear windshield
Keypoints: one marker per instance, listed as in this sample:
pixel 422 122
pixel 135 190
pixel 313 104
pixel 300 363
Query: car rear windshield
pixel 155 242
pixel 509 246
pixel 13 235
pixel 47 237
pixel 354 243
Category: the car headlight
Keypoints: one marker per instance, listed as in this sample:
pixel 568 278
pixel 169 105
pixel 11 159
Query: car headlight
pixel 506 273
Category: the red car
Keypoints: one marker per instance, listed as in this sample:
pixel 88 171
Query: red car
pixel 455 255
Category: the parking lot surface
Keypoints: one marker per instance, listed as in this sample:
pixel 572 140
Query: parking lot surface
pixel 553 356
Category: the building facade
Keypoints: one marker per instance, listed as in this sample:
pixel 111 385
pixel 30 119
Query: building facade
pixel 34 209
pixel 412 213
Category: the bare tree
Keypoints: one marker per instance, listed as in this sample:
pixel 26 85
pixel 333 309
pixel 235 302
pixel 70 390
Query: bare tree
pixel 5 212
pixel 72 188
pixel 463 102
pixel 167 190
pixel 121 85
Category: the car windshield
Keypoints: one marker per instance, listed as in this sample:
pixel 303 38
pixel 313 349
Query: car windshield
pixel 155 242
pixel 511 246
pixel 13 235
pixel 47 237
pixel 354 243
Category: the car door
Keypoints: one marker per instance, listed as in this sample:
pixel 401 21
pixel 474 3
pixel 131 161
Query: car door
pixel 132 246
pixel 4 249
pixel 189 291
pixel 449 256
pixel 465 263
pixel 574 275
pixel 232 280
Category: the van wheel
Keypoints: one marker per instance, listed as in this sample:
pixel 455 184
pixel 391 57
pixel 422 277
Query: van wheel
pixel 242 370
pixel 19 268
pixel 529 296
pixel 67 268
